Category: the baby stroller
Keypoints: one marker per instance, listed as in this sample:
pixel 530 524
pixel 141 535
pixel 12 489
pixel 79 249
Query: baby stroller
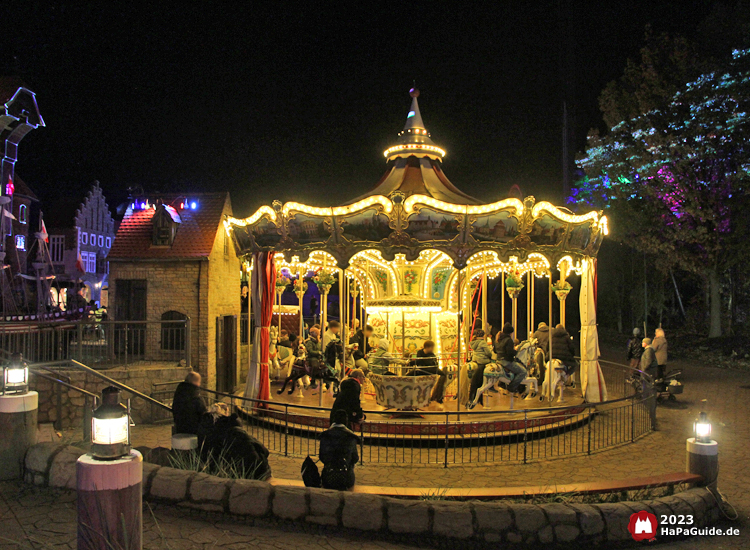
pixel 668 387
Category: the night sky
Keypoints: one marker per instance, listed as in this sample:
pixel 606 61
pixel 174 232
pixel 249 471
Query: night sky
pixel 275 102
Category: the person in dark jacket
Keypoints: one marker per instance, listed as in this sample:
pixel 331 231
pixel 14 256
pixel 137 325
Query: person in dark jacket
pixel 635 348
pixel 563 348
pixel 338 453
pixel 542 337
pixel 348 398
pixel 229 442
pixel 187 405
pixel 506 354
pixel 362 339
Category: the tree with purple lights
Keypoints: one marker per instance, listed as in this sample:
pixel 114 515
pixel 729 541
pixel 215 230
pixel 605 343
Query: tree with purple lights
pixel 674 177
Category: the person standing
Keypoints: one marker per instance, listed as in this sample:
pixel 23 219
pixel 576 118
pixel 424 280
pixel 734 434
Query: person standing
pixel 635 348
pixel 649 364
pixel 338 453
pixel 314 308
pixel 660 350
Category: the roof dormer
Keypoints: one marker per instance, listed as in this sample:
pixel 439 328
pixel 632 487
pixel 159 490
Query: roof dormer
pixel 166 222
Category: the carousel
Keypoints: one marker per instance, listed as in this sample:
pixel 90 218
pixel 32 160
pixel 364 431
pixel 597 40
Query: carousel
pixel 416 258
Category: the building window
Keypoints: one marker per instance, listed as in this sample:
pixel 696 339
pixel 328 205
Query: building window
pixel 92 263
pixel 22 213
pixel 84 238
pixel 57 248
pixel 101 241
pixel 20 242
pixel 109 242
pixel 173 327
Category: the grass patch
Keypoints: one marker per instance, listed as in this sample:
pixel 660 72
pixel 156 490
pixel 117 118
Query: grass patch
pixel 219 465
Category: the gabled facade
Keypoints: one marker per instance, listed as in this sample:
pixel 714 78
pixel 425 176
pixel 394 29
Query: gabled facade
pixel 89 239
pixel 172 259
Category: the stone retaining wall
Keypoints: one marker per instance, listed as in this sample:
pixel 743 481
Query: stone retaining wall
pixel 483 523
pixel 138 377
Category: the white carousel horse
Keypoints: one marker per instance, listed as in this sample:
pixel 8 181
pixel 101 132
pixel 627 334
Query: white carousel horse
pixel 556 377
pixel 274 368
pixel 494 374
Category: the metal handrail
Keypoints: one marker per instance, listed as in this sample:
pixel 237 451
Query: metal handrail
pixel 65 384
pixel 124 387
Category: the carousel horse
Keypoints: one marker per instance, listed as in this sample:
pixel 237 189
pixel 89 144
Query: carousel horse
pixel 300 368
pixel 556 377
pixel 494 374
pixel 274 368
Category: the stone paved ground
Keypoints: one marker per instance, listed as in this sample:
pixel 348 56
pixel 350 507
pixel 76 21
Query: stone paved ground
pixel 727 395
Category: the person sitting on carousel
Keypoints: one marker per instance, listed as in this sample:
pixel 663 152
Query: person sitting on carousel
pixel 380 360
pixel 482 355
pixel 426 363
pixel 564 350
pixel 506 353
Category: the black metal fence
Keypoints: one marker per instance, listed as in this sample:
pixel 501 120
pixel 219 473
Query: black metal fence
pixel 99 344
pixel 450 437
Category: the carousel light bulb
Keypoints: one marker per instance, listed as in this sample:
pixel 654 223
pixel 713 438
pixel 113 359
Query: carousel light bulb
pixel 110 427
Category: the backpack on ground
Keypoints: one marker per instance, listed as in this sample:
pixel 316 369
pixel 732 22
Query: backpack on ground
pixel 310 473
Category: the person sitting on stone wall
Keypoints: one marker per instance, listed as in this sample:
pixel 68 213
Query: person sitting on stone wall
pixel 338 453
pixel 187 405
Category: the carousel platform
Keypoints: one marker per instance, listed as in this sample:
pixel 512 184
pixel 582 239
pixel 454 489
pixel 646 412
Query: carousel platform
pixel 310 413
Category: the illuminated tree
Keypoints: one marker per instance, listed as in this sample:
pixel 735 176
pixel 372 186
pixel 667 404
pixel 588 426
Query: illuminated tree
pixel 675 175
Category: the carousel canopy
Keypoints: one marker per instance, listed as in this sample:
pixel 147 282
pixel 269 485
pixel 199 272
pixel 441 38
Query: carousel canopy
pixel 414 208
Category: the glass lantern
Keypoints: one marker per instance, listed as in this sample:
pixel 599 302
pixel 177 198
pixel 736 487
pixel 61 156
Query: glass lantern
pixel 702 429
pixel 110 427
pixel 16 375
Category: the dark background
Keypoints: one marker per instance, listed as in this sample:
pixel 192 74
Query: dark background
pixel 273 101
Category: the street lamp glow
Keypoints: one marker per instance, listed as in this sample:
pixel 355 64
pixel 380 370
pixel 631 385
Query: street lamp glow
pixel 702 428
pixel 110 427
pixel 16 375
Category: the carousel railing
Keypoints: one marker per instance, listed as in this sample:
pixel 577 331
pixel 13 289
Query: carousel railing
pixel 453 437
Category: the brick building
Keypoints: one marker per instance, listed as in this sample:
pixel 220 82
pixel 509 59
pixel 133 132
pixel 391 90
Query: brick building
pixel 172 259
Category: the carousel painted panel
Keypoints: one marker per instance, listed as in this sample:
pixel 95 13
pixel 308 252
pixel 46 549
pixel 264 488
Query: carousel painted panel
pixel 410 333
pixel 306 229
pixel 379 324
pixel 432 225
pixel 438 281
pixel 369 225
pixel 547 231
pixel 580 237
pixel 265 233
pixel 403 392
pixel 498 227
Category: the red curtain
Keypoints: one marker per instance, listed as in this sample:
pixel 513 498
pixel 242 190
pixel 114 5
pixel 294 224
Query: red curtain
pixel 267 285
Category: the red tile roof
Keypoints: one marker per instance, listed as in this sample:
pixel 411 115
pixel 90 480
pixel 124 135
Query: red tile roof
pixel 195 235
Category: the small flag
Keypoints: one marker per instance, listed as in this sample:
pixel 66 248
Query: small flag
pixel 44 233
pixel 8 214
pixel 79 264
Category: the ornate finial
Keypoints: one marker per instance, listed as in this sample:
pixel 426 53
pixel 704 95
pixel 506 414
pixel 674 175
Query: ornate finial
pixel 414 92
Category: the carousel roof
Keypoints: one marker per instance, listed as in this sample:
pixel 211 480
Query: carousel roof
pixel 414 208
pixel 414 164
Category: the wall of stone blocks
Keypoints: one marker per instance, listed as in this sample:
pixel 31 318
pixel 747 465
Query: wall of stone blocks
pixel 138 377
pixel 435 522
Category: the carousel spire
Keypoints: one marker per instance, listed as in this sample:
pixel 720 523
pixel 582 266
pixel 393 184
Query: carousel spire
pixel 414 117
pixel 414 139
